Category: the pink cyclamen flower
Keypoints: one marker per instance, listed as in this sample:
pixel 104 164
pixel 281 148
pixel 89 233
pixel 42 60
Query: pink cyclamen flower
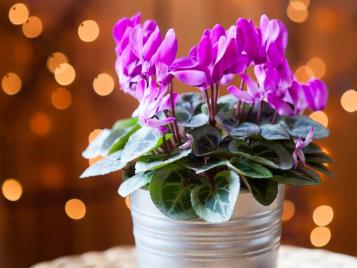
pixel 316 94
pixel 298 153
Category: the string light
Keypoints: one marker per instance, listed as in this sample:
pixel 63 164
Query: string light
pixel 65 74
pixel 322 215
pixel 88 31
pixel 40 124
pixel 349 100
pixel 11 83
pixel 12 189
pixel 320 117
pixel 103 84
pixel 94 134
pixel 289 210
pixel 32 28
pixel 317 66
pixel 56 59
pixel 297 11
pixel 61 98
pixel 18 14
pixel 320 236
pixel 75 209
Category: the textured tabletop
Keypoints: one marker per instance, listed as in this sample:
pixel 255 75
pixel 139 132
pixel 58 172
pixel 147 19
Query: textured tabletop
pixel 124 257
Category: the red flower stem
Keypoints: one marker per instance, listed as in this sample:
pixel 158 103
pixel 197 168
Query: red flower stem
pixel 250 111
pixel 239 109
pixel 171 126
pixel 259 112
pixel 274 117
pixel 175 126
pixel 209 107
pixel 165 143
pixel 213 104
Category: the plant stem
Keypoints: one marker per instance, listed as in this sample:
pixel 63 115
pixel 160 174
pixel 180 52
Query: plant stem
pixel 213 104
pixel 171 127
pixel 165 143
pixel 259 112
pixel 175 126
pixel 238 108
pixel 216 97
pixel 250 111
pixel 241 111
pixel 274 117
pixel 209 107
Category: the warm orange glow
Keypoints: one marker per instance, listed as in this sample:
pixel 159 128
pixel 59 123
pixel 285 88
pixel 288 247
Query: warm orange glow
pixel 320 117
pixel 103 84
pixel 323 215
pixel 289 210
pixel 304 2
pixel 94 134
pixel 40 124
pixel 127 202
pixel 32 28
pixel 51 176
pixel 304 73
pixel 88 30
pixel 18 14
pixel 65 74
pixel 297 11
pixel 11 83
pixel 328 19
pixel 55 60
pixel 61 98
pixel 75 209
pixel 349 100
pixel 318 67
pixel 320 236
pixel 95 159
pixel 12 189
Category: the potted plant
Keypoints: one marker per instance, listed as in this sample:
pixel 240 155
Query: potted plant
pixel 204 172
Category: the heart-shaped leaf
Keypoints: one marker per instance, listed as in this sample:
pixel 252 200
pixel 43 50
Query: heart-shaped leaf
pixel 250 169
pixel 205 139
pixel 170 191
pixel 133 183
pixel 153 162
pixel 141 142
pixel 200 166
pixel 274 132
pixel 104 166
pixel 216 204
pixel 321 168
pixel 263 190
pixel 231 125
pixel 302 176
pixel 125 123
pixel 95 147
pixel 299 126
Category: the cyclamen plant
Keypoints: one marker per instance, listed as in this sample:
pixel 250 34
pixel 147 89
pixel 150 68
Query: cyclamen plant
pixel 194 151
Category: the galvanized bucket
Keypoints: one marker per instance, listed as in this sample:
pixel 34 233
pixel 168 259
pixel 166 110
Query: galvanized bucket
pixel 250 239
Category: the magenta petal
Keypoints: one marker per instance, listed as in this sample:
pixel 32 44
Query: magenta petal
pixel 136 18
pixel 152 44
pixel 183 63
pixel 119 29
pixel 166 102
pixel 190 77
pixel 316 94
pixel 159 122
pixel 149 26
pixel 204 49
pixel 136 41
pixel 167 51
pixel 240 94
pixel 216 33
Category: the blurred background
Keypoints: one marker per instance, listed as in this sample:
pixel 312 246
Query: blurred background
pixel 58 85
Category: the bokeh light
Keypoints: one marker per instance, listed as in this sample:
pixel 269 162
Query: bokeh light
pixel 11 83
pixel 56 59
pixel 103 84
pixel 127 202
pixel 65 74
pixel 88 30
pixel 289 210
pixel 18 14
pixel 95 159
pixel 40 124
pixel 33 27
pixel 305 2
pixel 297 11
pixel 320 117
pixel 12 189
pixel 94 134
pixel 322 215
pixel 320 236
pixel 75 209
pixel 349 100
pixel 61 98
pixel 318 67
pixel 304 73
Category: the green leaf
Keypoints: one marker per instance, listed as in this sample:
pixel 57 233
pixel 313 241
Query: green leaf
pixel 94 148
pixel 299 126
pixel 190 101
pixel 186 119
pixel 302 176
pixel 228 99
pixel 182 115
pixel 318 158
pixel 170 192
pixel 321 168
pixel 199 166
pixel 141 142
pixel 160 141
pixel 216 204
pixel 274 132
pixel 134 183
pixel 118 138
pixel 152 162
pixel 125 123
pixel 205 139
pixel 263 190
pixel 249 168
pixel 231 125
pixel 107 165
